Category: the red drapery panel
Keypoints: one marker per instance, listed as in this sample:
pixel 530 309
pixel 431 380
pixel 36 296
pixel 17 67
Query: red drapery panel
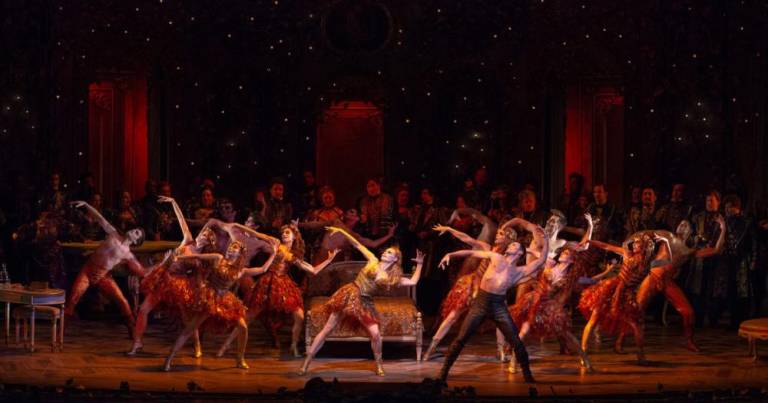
pixel 350 148
pixel 135 159
pixel 117 135
pixel 594 136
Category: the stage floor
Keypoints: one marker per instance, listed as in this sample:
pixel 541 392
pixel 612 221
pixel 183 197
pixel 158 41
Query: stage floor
pixel 93 358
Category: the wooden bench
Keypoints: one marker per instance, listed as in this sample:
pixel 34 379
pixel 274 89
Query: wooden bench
pixel 400 319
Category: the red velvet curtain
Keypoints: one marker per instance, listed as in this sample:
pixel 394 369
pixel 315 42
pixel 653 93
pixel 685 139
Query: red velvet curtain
pixel 117 135
pixel 350 148
pixel 594 136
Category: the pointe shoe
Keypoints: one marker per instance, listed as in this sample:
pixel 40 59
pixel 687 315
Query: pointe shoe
pixel 429 353
pixel 512 368
pixel 221 352
pixel 242 364
pixel 198 353
pixel 431 350
pixel 304 369
pixel 692 347
pixel 137 346
pixel 167 365
pixel 379 370
pixel 586 365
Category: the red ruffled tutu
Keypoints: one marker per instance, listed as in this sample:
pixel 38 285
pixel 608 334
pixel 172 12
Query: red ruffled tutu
pixel 459 298
pixel 155 282
pixel 190 295
pixel 275 294
pixel 545 314
pixel 355 309
pixel 171 289
pixel 599 297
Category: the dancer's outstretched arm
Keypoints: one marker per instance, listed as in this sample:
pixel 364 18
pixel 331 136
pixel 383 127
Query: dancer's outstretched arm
pixel 478 216
pixel 215 258
pixel 718 248
pixel 317 225
pixel 519 222
pixel 474 243
pixel 320 266
pixel 105 225
pixel 530 268
pixel 610 248
pixel 665 241
pixel 229 228
pixel 584 244
pixel 419 259
pixel 375 243
pixel 255 271
pixel 369 256
pixel 609 269
pixel 480 254
pixel 188 238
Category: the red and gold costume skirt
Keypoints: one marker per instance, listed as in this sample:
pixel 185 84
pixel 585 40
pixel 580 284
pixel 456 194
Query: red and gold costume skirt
pixel 459 298
pixel 355 308
pixel 169 289
pixel 275 294
pixel 191 296
pixel 546 315
pixel 599 297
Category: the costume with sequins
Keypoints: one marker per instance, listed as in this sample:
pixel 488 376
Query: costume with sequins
pixel 354 301
pixel 275 293
pixel 600 297
pixel 544 307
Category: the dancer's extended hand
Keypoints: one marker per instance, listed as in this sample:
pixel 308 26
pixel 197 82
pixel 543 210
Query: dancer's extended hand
pixel 334 230
pixel 442 229
pixel 444 262
pixel 78 203
pixel 392 229
pixel 419 259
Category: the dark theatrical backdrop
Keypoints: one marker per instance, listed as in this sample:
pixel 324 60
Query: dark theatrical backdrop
pixel 623 91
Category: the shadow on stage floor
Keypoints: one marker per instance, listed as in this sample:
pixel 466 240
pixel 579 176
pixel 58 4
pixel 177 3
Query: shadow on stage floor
pixel 93 367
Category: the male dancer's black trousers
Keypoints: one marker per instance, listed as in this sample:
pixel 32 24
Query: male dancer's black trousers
pixel 493 305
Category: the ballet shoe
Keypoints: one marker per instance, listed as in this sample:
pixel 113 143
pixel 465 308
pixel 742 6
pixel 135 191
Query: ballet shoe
pixel 137 347
pixel 692 347
pixel 167 365
pixel 242 364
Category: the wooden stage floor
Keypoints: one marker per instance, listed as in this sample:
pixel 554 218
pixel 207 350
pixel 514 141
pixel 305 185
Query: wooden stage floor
pixel 93 357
